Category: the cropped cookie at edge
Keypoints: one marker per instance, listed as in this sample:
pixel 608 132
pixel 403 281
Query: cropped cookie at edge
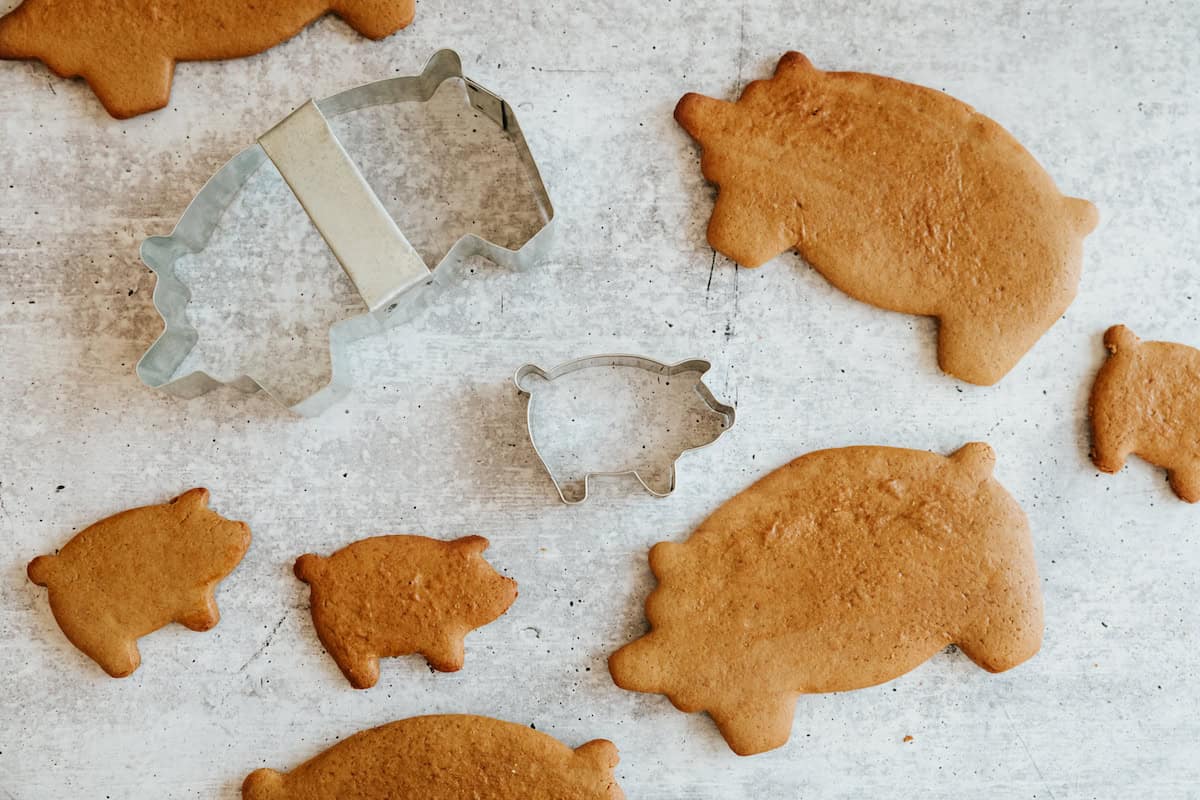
pixel 137 571
pixel 841 570
pixel 902 197
pixel 448 757
pixel 396 595
pixel 127 50
pixel 1146 402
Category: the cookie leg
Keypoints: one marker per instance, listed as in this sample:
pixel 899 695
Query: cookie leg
pixel 361 669
pixel 1185 481
pixel 758 724
pixel 373 19
pixel 1111 445
pixel 201 615
pixel 447 654
pixel 116 655
pixel 968 351
pixel 106 644
pixel 1005 640
pixel 127 90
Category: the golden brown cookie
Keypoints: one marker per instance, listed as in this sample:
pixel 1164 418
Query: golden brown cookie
pixel 902 197
pixel 137 571
pixel 396 595
pixel 449 757
pixel 127 50
pixel 1146 401
pixel 843 569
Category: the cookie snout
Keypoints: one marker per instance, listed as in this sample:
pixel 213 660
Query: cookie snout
pixel 638 667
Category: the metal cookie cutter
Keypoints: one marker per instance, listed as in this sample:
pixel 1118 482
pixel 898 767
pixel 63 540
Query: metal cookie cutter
pixel 573 492
pixel 390 276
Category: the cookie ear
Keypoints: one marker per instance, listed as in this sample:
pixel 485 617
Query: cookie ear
pixel 701 116
pixel 794 63
pixel 191 500
pixel 1119 339
pixel 978 458
pixel 471 544
pixel 600 752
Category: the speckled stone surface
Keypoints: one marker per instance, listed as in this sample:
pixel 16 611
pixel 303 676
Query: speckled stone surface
pixel 1106 95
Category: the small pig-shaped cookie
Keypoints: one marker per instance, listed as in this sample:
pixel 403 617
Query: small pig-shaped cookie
pixel 137 571
pixel 1146 401
pixel 127 50
pixel 901 196
pixel 447 757
pixel 396 595
pixel 841 570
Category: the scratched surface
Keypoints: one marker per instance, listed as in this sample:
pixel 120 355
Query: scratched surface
pixel 1105 94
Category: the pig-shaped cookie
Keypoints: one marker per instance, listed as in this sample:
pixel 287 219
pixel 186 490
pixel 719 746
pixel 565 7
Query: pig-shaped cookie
pixel 127 50
pixel 1146 401
pixel 902 197
pixel 137 571
pixel 447 757
pixel 395 595
pixel 841 570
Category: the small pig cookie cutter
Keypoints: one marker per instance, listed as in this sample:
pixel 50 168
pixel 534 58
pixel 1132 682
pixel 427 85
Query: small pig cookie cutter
pixel 570 492
pixel 390 276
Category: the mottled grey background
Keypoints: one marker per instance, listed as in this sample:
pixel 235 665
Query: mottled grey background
pixel 1106 94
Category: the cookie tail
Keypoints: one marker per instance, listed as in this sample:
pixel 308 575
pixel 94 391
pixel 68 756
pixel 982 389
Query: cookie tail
pixel 1118 338
pixel 41 569
pixel 263 784
pixel 1084 214
pixel 373 19
pixel 307 566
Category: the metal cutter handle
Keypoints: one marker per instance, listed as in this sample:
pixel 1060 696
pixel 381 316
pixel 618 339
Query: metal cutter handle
pixel 364 238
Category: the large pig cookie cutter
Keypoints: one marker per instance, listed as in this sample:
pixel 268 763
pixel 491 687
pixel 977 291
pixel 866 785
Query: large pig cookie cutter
pixel 397 595
pixel 388 273
pixel 127 50
pixel 1146 402
pixel 137 571
pixel 572 492
pixel 450 757
pixel 841 570
pixel 902 197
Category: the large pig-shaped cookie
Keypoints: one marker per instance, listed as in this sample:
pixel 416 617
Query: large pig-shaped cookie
pixel 841 570
pixel 902 197
pixel 395 595
pixel 448 757
pixel 126 50
pixel 137 571
pixel 1146 401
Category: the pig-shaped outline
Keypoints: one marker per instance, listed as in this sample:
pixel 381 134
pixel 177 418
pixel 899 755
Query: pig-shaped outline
pixel 1145 401
pixel 840 570
pixel 137 571
pixel 934 210
pixel 452 757
pixel 129 60
pixel 390 596
pixel 576 491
